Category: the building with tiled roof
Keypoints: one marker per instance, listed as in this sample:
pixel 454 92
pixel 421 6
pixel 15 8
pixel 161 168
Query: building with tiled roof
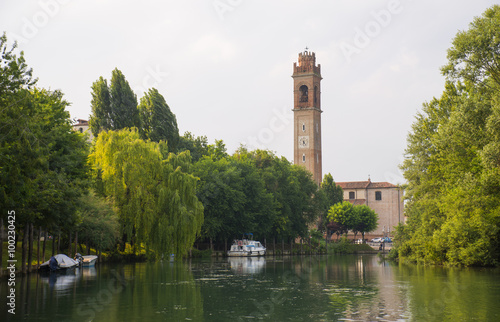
pixel 83 126
pixel 385 198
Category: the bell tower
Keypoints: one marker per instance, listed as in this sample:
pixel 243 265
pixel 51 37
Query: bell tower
pixel 307 114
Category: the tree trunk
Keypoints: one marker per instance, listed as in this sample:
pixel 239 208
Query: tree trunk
pixel 274 246
pixel 282 246
pixel 30 248
pixel 38 246
pixel 53 245
pixel 69 242
pixel 25 247
pixel 211 245
pixel 88 247
pixel 44 243
pixel 59 242
pixel 76 242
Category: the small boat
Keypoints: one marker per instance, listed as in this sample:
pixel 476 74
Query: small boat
pixel 89 260
pixel 86 260
pixel 59 262
pixel 246 247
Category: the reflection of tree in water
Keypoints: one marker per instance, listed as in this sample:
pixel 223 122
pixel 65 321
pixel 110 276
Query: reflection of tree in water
pixel 166 291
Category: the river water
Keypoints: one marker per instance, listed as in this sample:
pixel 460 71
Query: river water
pixel 306 288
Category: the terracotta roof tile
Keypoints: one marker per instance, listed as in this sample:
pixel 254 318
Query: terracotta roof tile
pixel 365 185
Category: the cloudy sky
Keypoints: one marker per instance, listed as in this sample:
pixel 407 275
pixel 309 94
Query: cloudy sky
pixel 224 66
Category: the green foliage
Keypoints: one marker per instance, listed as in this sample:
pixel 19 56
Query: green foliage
pixel 328 195
pixel 452 158
pixel 98 222
pixel 113 107
pixel 101 117
pixel 154 196
pixel 198 147
pixel 343 214
pixel 366 220
pixel 158 123
pixel 253 192
pixel 124 113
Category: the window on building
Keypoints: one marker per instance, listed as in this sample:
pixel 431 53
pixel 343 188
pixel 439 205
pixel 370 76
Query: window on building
pixel 352 195
pixel 378 195
pixel 304 93
pixel 81 130
pixel 303 127
pixel 303 158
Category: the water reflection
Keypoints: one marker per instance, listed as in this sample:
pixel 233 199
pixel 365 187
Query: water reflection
pixel 307 288
pixel 247 265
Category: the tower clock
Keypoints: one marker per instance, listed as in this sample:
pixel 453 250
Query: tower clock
pixel 307 114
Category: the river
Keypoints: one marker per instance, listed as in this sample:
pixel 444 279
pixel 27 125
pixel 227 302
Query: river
pixel 306 288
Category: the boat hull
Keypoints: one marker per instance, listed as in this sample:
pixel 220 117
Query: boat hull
pixel 246 254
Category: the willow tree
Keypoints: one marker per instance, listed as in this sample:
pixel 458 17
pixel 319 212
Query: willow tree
pixel 154 196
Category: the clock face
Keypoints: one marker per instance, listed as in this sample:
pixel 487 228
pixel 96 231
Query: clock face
pixel 303 141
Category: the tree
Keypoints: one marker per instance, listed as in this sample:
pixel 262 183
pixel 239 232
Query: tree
pixel 124 113
pixel 328 195
pixel 366 220
pixel 451 162
pixel 198 147
pixel 343 215
pixel 158 123
pixel 101 117
pixel 475 54
pixel 98 222
pixel 154 195
pixel 114 107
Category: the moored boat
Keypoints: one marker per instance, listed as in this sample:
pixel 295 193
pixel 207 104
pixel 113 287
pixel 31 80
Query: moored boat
pixel 86 260
pixel 246 247
pixel 59 262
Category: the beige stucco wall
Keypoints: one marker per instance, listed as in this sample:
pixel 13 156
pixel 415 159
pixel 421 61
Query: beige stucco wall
pixel 389 209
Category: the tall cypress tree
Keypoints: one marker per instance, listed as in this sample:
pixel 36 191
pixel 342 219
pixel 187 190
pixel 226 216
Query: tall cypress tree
pixel 100 120
pixel 158 123
pixel 124 113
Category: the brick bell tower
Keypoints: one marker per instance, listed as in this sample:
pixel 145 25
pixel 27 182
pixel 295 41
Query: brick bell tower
pixel 307 114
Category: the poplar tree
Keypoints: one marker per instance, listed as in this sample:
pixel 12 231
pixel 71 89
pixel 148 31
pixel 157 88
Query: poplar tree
pixel 158 123
pixel 124 113
pixel 101 117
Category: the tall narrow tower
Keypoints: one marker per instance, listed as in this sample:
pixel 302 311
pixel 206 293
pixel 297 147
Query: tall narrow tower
pixel 307 114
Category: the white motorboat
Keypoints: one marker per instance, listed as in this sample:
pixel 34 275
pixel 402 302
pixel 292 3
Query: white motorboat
pixel 246 247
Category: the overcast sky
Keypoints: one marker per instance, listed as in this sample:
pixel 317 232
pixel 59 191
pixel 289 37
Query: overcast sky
pixel 225 66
